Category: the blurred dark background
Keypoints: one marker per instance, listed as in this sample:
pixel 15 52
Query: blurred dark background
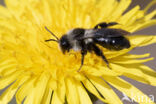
pixel 147 89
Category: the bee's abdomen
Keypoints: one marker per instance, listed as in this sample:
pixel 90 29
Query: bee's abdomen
pixel 113 43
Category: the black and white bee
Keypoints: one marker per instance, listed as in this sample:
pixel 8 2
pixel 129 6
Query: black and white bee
pixel 86 40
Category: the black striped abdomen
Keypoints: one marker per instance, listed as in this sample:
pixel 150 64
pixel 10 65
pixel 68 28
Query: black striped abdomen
pixel 113 43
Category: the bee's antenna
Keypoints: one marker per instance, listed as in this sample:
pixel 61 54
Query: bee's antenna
pixel 52 34
pixel 52 40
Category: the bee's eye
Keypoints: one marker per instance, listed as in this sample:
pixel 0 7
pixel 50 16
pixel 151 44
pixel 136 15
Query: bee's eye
pixel 64 43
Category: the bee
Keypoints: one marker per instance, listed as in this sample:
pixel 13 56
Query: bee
pixel 86 40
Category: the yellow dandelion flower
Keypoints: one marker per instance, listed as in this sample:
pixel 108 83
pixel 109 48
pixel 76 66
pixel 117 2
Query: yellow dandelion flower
pixel 38 71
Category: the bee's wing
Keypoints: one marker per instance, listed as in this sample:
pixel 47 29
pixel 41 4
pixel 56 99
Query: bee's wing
pixel 110 32
pixel 112 39
pixel 105 32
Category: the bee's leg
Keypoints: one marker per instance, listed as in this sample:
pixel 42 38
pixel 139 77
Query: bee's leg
pixel 83 53
pixel 99 52
pixel 105 25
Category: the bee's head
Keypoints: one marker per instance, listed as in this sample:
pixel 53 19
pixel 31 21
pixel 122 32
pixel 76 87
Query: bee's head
pixel 63 41
pixel 64 44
